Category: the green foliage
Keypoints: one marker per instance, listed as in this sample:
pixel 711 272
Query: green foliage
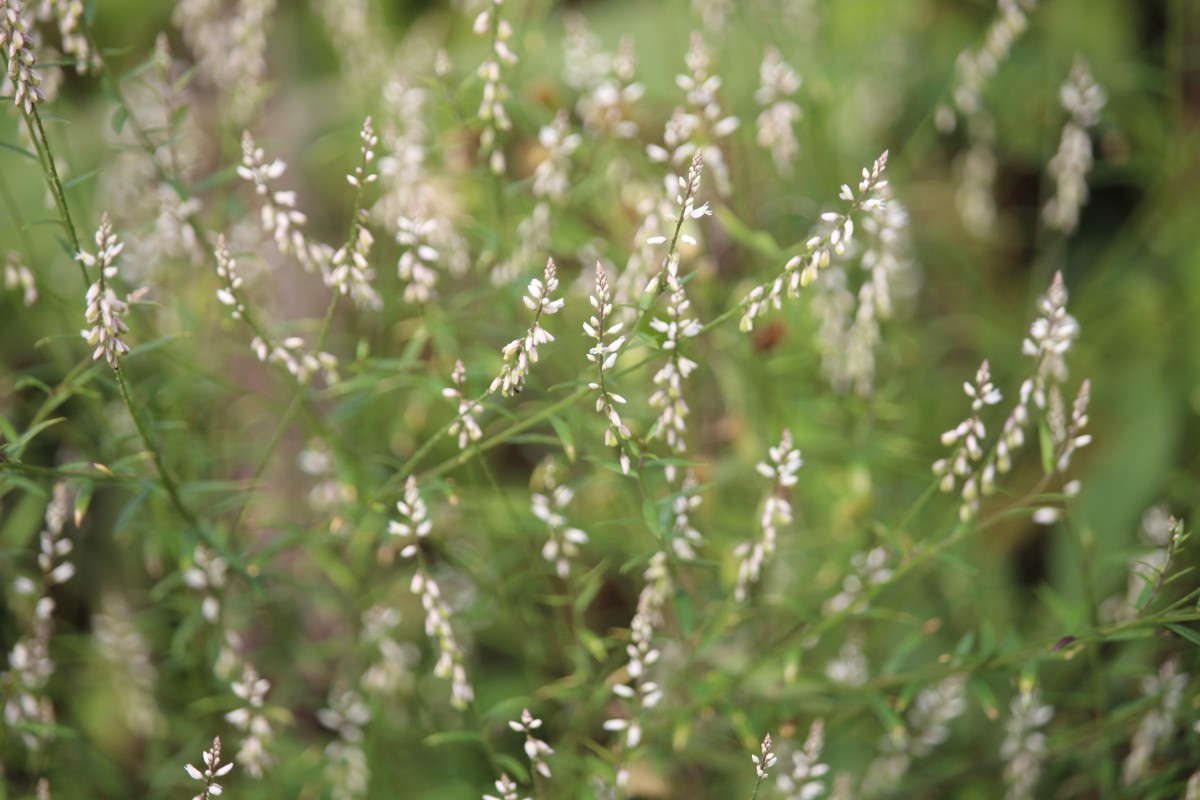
pixel 278 481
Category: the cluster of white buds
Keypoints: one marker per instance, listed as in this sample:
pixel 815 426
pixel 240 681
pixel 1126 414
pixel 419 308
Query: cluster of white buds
pixel 414 526
pixel 668 399
pixel 637 691
pixel 465 425
pixel 17 44
pixel 299 362
pixel 105 312
pixel 27 708
pixel 604 356
pixel 489 23
pixel 350 272
pixel 535 748
pixel 1024 745
pixel 18 276
pixel 520 353
pixel 975 67
pixel 684 536
pixel 778 83
pixel 69 16
pixel 867 568
pixel 606 80
pixel 766 761
pixel 849 667
pixel 213 769
pixel 507 789
pixel 802 270
pixel 805 782
pixel 1159 725
pixel 346 766
pixel 698 128
pixel 365 173
pixel 1083 99
pixel 550 177
pixel 785 462
pixel 207 576
pixel 390 671
pixel 927 726
pixel 251 719
pixel 1050 338
pixel 967 438
pixel 280 217
pixel 418 263
pixel 563 543
pixel 231 282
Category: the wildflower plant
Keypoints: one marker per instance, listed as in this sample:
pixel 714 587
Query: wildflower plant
pixel 275 438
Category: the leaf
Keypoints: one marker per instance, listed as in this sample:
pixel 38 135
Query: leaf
pixel 985 697
pixel 1186 632
pixel 119 118
pixel 687 616
pixel 566 437
pixel 452 737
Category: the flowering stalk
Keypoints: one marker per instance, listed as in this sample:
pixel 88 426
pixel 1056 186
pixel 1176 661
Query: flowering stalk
pixel 464 424
pixel 762 764
pixel 801 270
pixel 414 526
pixel 969 436
pixel 563 543
pixel 213 769
pixel 520 353
pixel 250 719
pixel 492 111
pixel 604 356
pixel 785 461
pixel 637 691
pixel 535 748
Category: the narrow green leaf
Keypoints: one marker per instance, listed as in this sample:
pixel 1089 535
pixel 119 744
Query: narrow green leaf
pixel 119 118
pixel 565 436
pixel 1186 632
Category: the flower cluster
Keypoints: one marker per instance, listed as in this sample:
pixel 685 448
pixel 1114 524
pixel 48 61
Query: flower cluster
pixel 252 720
pixel 489 23
pixel 805 782
pixel 867 568
pixel 766 762
pixel 1083 99
pixel 207 576
pixel 18 276
pixel 231 50
pixel 520 353
pixel 778 83
pixel 465 425
pixel 279 214
pixel 643 653
pixel 535 748
pixel 967 438
pixel 837 236
pixel 563 543
pixel 604 356
pixel 698 128
pixel 300 363
pixel 684 536
pixel 414 526
pixel 668 398
pixel 27 708
pixel 1158 727
pixel 507 789
pixel 346 763
pixel 1024 745
pixel 785 462
pixel 213 769
pixel 605 79
pixel 105 312
pixel 17 44
pixel 928 721
pixel 231 282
